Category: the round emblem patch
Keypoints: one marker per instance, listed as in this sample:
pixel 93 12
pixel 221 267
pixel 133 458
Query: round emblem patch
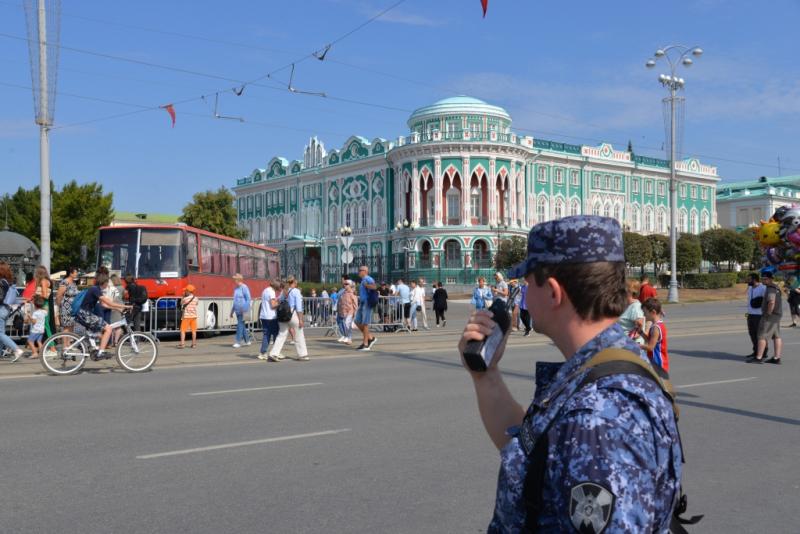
pixel 590 507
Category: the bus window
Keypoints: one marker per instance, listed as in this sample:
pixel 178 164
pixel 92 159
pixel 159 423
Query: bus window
pixel 261 263
pixel 246 261
pixel 210 256
pixel 229 254
pixel 191 251
pixel 160 254
pixel 117 249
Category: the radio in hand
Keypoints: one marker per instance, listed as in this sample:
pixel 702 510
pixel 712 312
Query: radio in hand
pixel 479 354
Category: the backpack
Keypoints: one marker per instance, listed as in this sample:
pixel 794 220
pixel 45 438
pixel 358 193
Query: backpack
pixel 10 297
pixel 77 302
pixel 283 311
pixel 139 295
pixel 607 362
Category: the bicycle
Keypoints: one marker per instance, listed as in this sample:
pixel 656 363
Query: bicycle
pixel 5 353
pixel 65 353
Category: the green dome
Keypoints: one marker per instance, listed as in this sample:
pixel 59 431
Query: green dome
pixel 458 105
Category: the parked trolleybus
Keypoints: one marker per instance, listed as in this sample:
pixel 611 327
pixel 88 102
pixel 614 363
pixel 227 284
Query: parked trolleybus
pixel 166 258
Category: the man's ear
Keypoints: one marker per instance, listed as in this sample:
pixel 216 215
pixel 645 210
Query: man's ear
pixel 556 292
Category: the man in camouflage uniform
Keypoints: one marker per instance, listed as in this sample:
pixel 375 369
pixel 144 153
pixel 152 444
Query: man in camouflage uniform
pixel 613 454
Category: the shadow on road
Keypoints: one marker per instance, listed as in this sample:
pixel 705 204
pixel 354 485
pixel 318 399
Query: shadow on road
pixel 744 413
pixel 456 362
pixel 711 355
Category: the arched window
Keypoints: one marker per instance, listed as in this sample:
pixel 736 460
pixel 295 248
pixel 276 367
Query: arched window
pixel 506 208
pixel 607 210
pixel 480 254
pixel 597 208
pixel 693 222
pixel 682 222
pixel 648 219
pixel 704 220
pixel 542 174
pixel 635 218
pixel 348 218
pixel 453 205
pixel 662 221
pixel 333 219
pixel 618 212
pixel 364 215
pixel 475 203
pixel 574 207
pixel 541 209
pixel 425 254
pixel 379 212
pixel 452 254
pixel 558 208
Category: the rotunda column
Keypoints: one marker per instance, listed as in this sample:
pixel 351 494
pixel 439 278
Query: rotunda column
pixel 465 178
pixel 521 195
pixel 437 188
pixel 491 190
pixel 512 193
pixel 399 196
pixel 415 194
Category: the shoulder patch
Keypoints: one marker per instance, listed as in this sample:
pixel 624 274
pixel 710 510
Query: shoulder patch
pixel 590 507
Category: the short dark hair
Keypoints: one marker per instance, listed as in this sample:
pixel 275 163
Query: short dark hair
pixel 38 301
pixel 596 290
pixel 755 277
pixel 652 304
pixel 101 278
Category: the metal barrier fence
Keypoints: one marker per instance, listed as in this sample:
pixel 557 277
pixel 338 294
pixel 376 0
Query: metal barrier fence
pixel 164 315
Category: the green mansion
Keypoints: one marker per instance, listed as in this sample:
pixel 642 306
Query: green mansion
pixel 461 180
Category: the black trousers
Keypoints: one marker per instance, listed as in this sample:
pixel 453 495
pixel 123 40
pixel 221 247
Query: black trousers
pixel 752 330
pixel 439 314
pixel 526 319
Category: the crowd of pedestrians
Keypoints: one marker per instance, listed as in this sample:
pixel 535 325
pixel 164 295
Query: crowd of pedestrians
pixel 47 307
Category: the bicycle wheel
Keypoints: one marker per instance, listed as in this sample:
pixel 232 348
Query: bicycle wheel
pixel 137 352
pixel 64 353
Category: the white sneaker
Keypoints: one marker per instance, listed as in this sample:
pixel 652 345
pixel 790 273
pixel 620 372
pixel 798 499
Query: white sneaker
pixel 17 355
pixel 236 346
pixel 249 343
pixel 303 358
pixel 340 340
pixel 292 343
pixel 347 341
pixel 262 356
pixel 272 358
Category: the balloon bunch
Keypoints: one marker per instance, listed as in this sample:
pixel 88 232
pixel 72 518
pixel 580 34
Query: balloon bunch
pixel 779 238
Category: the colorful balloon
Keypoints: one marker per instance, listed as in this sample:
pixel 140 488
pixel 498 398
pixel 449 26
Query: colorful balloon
pixel 769 234
pixel 773 256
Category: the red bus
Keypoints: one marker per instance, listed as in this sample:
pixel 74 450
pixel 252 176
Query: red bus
pixel 165 258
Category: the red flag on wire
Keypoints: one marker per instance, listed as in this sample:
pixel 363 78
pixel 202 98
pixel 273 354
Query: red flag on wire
pixel 485 5
pixel 171 110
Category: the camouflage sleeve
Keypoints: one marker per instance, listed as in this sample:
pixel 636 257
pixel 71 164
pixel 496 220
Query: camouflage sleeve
pixel 603 467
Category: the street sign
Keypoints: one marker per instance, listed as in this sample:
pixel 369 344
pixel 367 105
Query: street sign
pixel 347 241
pixel 347 257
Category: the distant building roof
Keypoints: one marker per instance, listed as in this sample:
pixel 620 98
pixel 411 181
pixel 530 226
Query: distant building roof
pixel 783 187
pixel 459 105
pixel 144 218
pixel 14 244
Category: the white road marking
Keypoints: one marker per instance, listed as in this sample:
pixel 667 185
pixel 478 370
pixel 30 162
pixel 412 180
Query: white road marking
pixel 241 444
pixel 717 382
pixel 243 390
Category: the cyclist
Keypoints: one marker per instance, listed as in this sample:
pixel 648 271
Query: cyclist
pixel 93 322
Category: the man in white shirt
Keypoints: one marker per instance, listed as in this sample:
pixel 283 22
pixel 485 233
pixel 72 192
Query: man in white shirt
pixel 423 290
pixel 269 318
pixel 755 298
pixel 500 289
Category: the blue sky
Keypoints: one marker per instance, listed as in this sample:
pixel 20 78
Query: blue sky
pixel 566 71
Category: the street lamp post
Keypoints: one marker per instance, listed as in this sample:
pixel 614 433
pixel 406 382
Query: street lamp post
pixel 406 230
pixel 285 262
pixel 675 56
pixel 346 237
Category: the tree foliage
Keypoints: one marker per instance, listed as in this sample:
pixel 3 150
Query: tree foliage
pixel 510 252
pixel 638 251
pixel 659 246
pixel 688 253
pixel 213 211
pixel 725 245
pixel 77 211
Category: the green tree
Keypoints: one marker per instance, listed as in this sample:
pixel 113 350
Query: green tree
pixel 638 251
pixel 78 211
pixel 688 253
pixel 510 252
pixel 659 245
pixel 213 211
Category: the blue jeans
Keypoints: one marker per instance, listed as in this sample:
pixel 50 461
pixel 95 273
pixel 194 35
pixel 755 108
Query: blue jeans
pixel 4 339
pixel 270 329
pixel 241 330
pixel 340 324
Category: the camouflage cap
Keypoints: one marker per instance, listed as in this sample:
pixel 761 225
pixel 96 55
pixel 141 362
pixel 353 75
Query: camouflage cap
pixel 578 239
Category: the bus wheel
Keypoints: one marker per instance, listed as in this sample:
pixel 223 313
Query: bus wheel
pixel 211 317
